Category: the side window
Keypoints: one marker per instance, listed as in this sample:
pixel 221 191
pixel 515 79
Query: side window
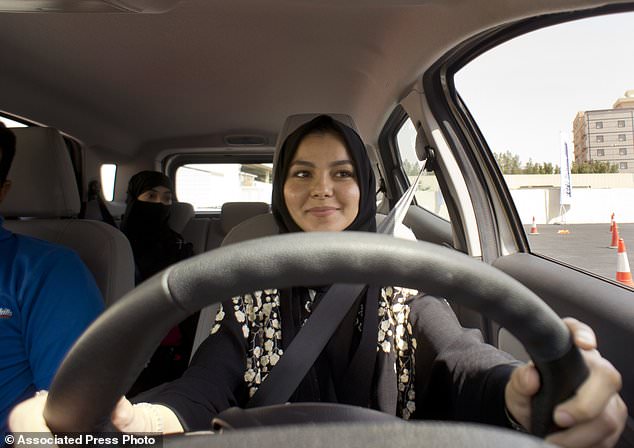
pixel 209 185
pixel 561 129
pixel 428 195
pixel 12 123
pixel 108 173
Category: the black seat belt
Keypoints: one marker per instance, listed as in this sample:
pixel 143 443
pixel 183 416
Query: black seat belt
pixel 311 339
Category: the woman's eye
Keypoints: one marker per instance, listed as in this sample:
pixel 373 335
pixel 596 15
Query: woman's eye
pixel 301 174
pixel 345 173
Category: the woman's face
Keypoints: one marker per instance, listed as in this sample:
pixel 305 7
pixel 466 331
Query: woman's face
pixel 321 190
pixel 160 194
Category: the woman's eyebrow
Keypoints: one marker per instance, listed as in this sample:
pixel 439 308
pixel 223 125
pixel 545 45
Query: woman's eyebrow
pixel 311 164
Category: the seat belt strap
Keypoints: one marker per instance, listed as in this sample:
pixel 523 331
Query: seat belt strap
pixel 303 351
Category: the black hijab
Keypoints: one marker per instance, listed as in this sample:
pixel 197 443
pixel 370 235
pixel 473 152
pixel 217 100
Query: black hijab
pixel 366 218
pixel 154 244
pixel 344 371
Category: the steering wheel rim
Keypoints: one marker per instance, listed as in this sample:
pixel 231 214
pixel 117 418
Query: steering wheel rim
pixel 87 387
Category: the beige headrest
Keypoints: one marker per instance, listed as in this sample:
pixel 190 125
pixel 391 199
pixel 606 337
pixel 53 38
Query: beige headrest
pixel 180 214
pixel 43 180
pixel 233 213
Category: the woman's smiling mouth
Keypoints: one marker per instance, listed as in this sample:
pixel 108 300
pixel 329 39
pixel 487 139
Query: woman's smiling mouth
pixel 321 212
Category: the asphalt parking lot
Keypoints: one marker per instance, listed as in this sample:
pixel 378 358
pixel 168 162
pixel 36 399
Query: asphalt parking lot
pixel 586 246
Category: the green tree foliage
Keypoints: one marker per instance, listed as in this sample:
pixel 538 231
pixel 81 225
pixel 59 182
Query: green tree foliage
pixel 594 166
pixel 510 164
pixel 411 168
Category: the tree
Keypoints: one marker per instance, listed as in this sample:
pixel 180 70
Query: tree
pixel 509 163
pixel 411 168
pixel 593 166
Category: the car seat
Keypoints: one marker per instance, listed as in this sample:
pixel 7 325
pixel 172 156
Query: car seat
pixel 44 203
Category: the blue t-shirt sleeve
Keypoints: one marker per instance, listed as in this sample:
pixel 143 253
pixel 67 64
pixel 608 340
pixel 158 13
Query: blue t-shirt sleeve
pixel 61 299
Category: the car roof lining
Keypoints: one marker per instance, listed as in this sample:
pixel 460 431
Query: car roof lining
pixel 210 67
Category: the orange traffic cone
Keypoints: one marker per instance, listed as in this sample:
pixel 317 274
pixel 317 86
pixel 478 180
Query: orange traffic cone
pixel 612 222
pixel 534 228
pixel 623 273
pixel 615 236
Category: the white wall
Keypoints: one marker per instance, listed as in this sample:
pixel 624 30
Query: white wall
pixel 589 205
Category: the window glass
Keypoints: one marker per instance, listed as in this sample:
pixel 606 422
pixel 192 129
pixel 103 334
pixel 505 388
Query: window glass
pixel 12 123
pixel 209 185
pixel 527 107
pixel 108 177
pixel 428 194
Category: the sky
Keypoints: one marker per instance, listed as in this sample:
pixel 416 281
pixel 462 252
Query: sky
pixel 526 91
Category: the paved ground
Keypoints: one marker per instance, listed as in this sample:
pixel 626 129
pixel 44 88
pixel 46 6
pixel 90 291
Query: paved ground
pixel 586 246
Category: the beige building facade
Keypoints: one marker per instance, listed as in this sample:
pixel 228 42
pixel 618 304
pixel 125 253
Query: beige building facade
pixel 607 135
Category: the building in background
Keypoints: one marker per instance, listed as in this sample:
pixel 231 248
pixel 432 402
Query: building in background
pixel 607 135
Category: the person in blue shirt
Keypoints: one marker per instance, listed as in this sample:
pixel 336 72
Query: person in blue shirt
pixel 47 298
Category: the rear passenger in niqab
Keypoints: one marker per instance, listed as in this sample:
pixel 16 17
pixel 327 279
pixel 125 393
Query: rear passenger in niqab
pixel 145 223
pixel 156 246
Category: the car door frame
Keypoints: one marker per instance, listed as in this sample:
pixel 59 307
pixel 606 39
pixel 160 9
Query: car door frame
pixel 605 304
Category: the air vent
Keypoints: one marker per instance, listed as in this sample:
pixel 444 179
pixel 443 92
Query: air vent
pixel 108 6
pixel 246 140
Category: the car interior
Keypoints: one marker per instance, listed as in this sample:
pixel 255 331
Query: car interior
pixel 179 86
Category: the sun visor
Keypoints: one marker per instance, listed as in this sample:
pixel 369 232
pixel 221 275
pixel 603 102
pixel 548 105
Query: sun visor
pixel 95 6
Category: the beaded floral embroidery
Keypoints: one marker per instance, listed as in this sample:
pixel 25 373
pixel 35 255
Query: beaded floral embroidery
pixel 258 314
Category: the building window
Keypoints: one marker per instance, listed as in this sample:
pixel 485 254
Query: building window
pixel 600 152
pixel 621 123
pixel 623 165
pixel 621 137
pixel 598 125
pixel 622 151
pixel 599 139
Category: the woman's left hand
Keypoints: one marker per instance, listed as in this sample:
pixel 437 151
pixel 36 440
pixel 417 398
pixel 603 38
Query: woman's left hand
pixel 594 417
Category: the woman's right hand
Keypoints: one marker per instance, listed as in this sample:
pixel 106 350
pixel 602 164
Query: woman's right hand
pixel 145 417
pixel 128 418
pixel 28 416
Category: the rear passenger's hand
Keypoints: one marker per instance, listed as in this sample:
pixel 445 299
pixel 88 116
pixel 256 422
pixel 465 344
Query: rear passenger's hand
pixel 595 416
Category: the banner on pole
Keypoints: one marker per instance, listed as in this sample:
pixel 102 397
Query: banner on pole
pixel 565 195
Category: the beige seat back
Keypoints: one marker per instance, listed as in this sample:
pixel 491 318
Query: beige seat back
pixel 44 202
pixel 180 215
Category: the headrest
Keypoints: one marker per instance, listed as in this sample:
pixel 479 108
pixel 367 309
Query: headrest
pixel 233 213
pixel 43 180
pixel 180 214
pixel 295 121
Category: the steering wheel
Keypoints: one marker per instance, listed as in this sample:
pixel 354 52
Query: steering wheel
pixel 108 357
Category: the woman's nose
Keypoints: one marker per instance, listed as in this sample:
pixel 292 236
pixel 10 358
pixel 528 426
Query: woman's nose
pixel 321 186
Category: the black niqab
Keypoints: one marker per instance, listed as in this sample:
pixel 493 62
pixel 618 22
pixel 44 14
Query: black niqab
pixel 154 244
